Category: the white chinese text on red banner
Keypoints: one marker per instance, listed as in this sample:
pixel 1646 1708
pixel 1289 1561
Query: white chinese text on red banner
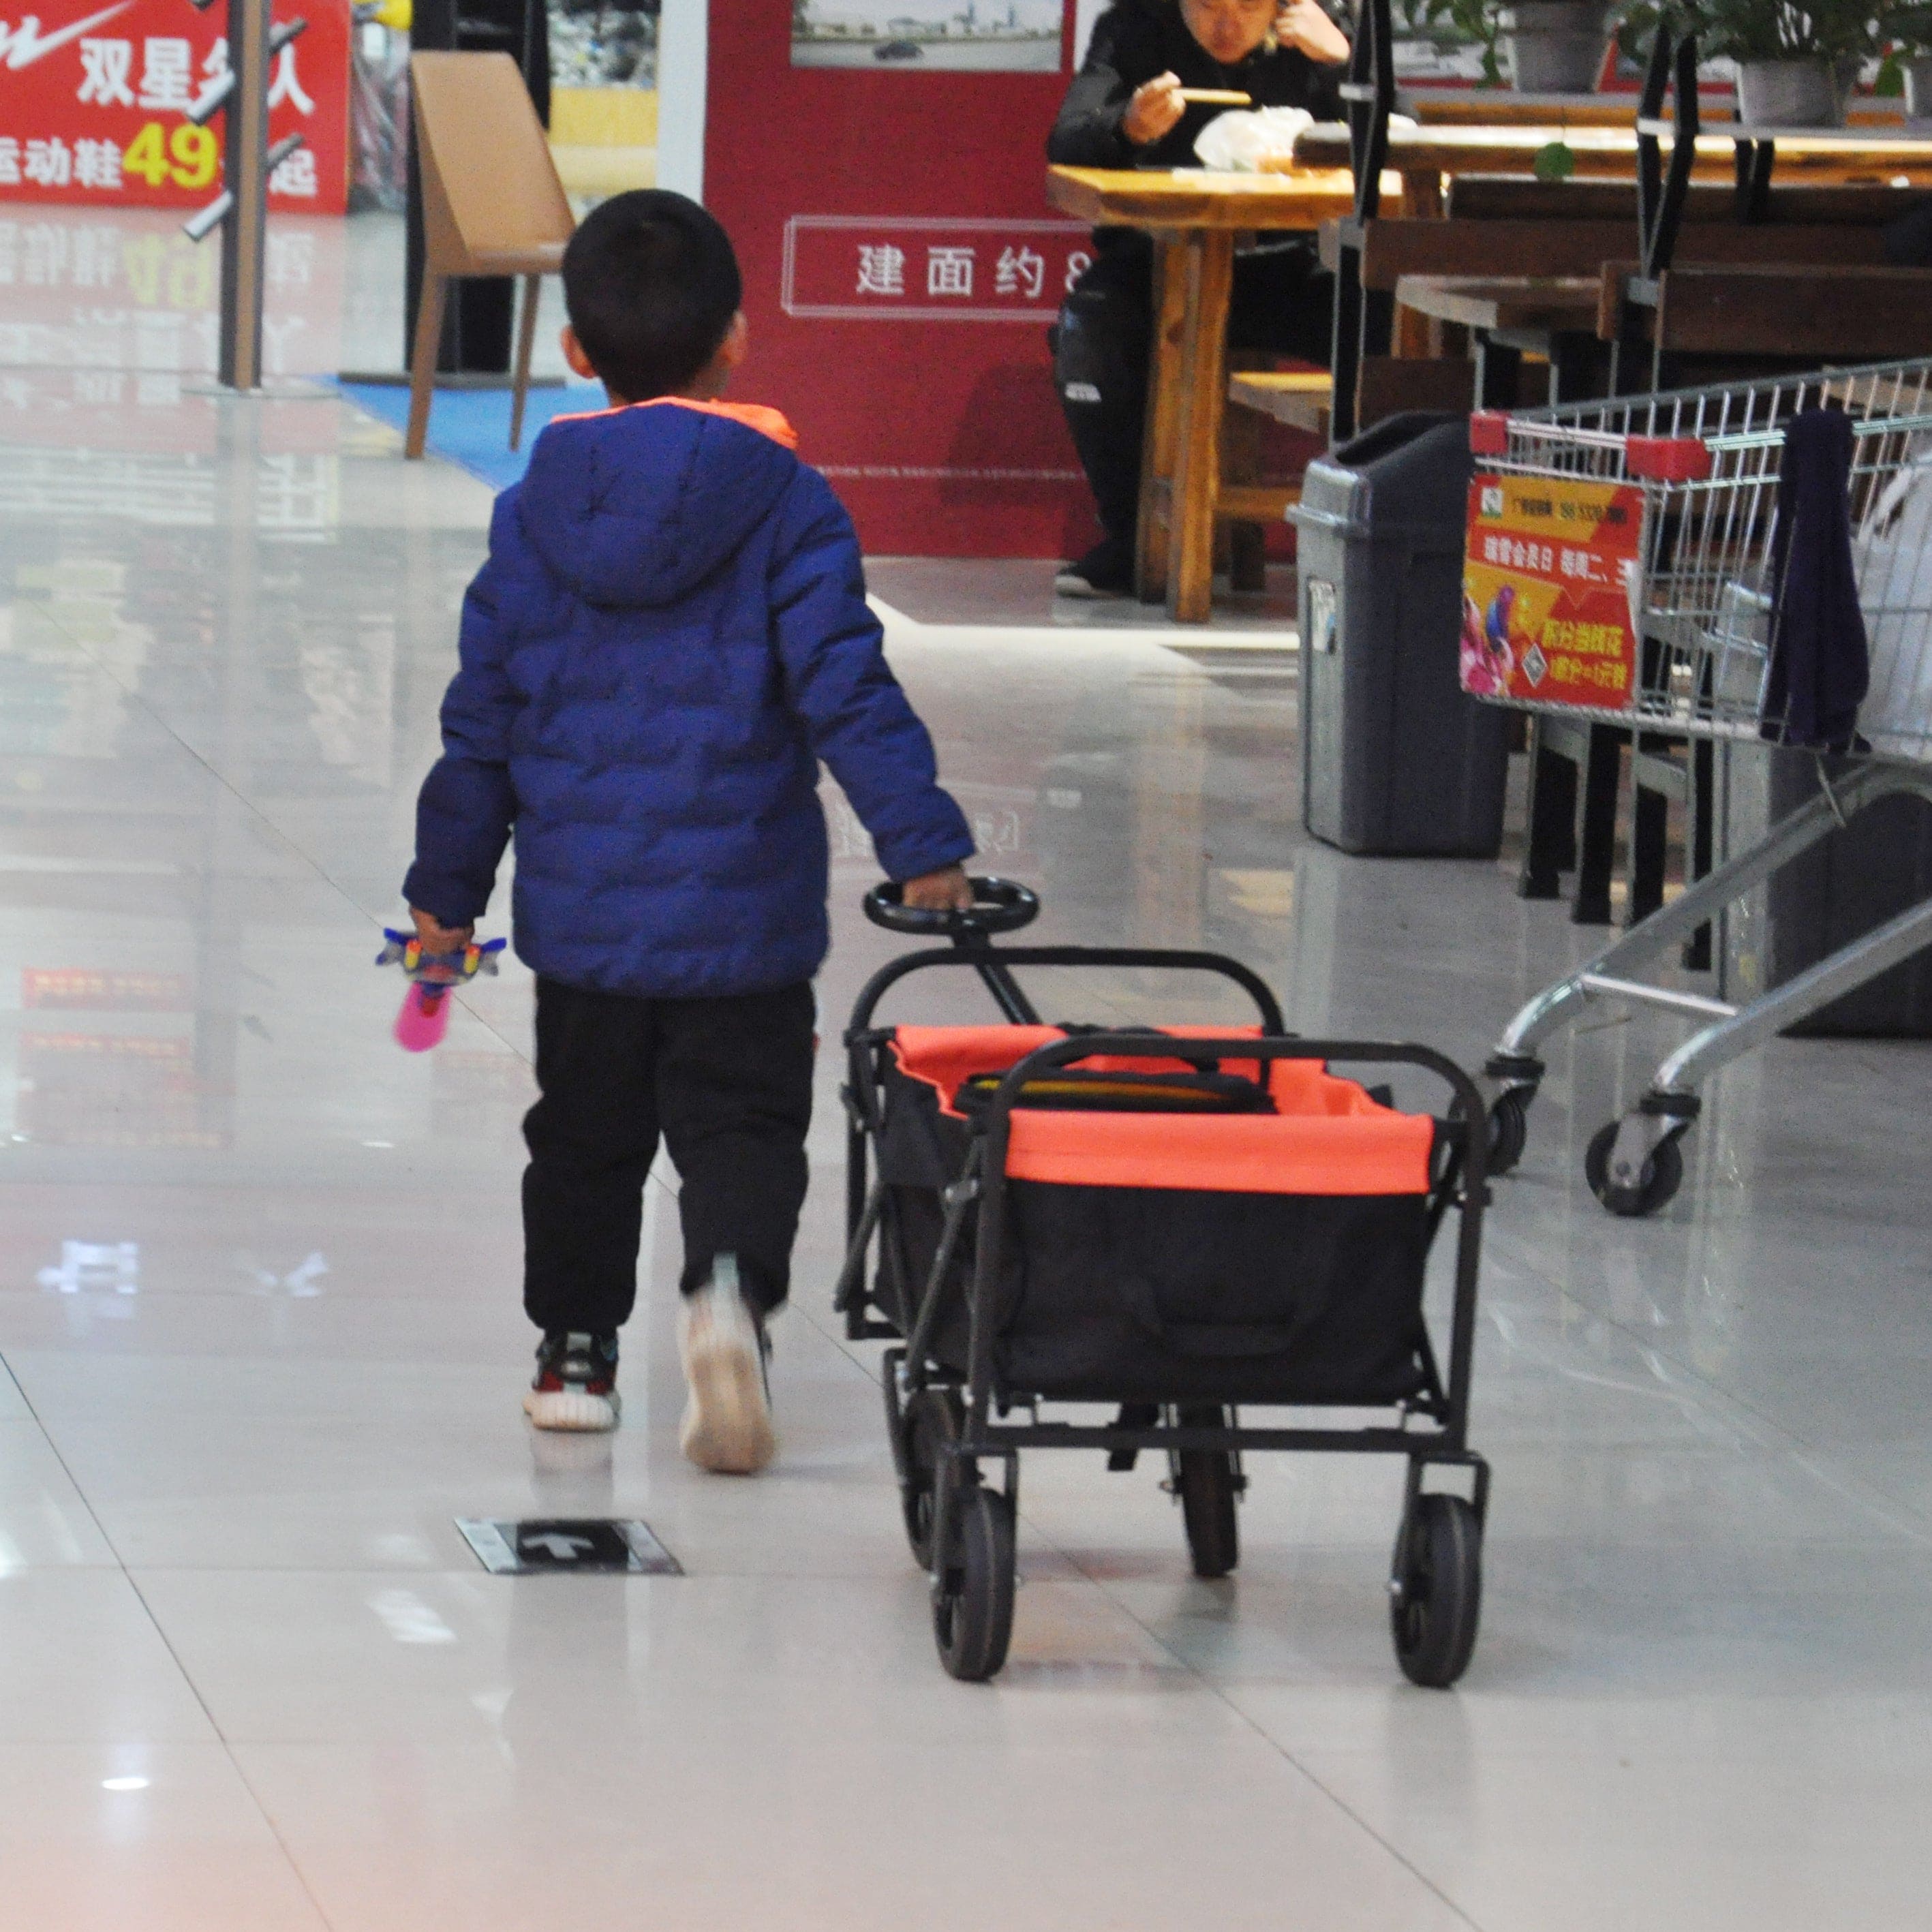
pixel 93 101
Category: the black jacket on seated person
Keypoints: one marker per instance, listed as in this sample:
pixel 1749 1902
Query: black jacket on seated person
pixel 1281 299
pixel 1136 40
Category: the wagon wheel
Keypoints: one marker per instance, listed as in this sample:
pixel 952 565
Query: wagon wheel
pixel 931 1420
pixel 973 1593
pixel 1662 1176
pixel 1435 1589
pixel 1209 1485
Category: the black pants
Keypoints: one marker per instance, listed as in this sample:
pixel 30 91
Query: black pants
pixel 727 1082
pixel 1282 303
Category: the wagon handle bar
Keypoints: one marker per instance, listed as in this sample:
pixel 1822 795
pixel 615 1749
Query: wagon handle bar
pixel 999 905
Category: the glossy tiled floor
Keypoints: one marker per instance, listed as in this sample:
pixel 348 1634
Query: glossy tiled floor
pixel 258 1314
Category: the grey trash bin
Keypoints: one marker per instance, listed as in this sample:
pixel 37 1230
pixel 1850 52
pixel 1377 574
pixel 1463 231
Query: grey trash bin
pixel 1395 759
pixel 1864 874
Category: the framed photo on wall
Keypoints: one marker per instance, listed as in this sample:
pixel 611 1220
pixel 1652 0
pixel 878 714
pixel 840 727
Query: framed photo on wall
pixel 928 36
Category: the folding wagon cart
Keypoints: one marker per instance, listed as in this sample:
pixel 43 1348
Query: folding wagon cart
pixel 1180 1223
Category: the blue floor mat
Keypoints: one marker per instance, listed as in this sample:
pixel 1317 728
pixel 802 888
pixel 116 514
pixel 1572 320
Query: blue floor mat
pixel 471 427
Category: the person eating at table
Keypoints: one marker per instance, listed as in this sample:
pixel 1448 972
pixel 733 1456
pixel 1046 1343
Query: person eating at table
pixel 1127 108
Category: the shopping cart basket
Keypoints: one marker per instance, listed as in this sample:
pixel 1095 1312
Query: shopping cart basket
pixel 1620 569
pixel 1172 1223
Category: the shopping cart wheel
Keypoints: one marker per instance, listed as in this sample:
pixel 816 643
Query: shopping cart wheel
pixel 1662 1175
pixel 1435 1589
pixel 1509 1130
pixel 1208 1485
pixel 973 1594
pixel 930 1420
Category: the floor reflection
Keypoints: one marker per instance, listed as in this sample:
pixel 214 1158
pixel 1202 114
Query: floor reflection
pixel 258 1309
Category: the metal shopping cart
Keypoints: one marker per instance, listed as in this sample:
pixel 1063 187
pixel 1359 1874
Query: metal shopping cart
pixel 1169 1221
pixel 1622 568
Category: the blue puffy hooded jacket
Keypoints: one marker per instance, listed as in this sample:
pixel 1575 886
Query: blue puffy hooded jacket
pixel 671 632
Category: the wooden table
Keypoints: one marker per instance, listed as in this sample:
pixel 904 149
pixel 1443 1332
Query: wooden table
pixel 1511 312
pixel 1194 218
pixel 1504 107
pixel 1817 153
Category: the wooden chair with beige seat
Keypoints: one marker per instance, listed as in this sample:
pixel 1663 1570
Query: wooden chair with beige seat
pixel 492 205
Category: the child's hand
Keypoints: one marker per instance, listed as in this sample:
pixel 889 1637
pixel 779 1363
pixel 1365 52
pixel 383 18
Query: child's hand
pixel 438 938
pixel 947 890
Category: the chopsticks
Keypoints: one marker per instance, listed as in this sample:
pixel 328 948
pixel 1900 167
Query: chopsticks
pixel 1218 96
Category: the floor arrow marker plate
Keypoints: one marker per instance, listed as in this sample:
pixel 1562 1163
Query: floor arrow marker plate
pixel 568 1546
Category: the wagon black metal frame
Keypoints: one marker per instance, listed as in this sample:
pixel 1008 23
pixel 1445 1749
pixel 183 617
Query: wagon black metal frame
pixel 1431 1428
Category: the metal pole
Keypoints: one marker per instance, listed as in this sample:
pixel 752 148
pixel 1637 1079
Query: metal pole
pixel 244 233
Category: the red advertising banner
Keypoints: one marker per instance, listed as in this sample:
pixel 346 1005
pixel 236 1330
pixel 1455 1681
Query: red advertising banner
pixel 1548 579
pixel 93 102
pixel 881 168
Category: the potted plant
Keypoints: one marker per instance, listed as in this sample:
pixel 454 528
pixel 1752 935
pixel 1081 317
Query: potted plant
pixel 1910 30
pixel 1554 46
pixel 1795 65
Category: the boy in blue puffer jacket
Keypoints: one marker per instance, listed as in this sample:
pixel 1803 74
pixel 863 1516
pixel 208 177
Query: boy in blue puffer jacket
pixel 670 634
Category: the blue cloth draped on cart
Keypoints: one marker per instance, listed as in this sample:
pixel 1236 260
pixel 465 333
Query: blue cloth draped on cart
pixel 1819 668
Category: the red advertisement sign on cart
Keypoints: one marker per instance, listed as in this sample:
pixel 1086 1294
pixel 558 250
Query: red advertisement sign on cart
pixel 93 101
pixel 1547 581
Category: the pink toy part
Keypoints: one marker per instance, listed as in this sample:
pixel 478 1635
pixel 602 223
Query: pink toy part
pixel 424 1017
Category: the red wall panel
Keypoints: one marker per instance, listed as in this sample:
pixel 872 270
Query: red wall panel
pixel 923 385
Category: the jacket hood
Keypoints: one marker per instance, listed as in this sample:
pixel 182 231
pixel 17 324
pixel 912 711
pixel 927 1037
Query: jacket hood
pixel 638 506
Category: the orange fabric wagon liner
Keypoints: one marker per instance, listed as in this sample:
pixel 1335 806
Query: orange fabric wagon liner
pixel 1328 1137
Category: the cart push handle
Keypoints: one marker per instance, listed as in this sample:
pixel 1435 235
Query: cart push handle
pixel 1646 459
pixel 999 905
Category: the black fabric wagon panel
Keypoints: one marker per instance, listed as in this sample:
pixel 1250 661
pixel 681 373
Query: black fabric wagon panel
pixel 921 1152
pixel 919 1146
pixel 1160 1295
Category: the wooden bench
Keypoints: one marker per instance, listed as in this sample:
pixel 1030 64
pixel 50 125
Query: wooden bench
pixel 1301 398
pixel 1417 375
pixel 1507 316
pixel 492 205
pixel 1517 197
pixel 1247 499
pixel 1807 312
pixel 1705 322
pixel 1511 246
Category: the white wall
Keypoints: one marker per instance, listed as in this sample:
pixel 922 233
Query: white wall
pixel 683 42
pixel 1084 14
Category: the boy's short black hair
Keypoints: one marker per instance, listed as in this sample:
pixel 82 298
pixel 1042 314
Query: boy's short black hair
pixel 651 282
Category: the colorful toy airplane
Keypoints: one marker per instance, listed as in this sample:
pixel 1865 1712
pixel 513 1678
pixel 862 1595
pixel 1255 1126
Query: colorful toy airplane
pixel 424 1017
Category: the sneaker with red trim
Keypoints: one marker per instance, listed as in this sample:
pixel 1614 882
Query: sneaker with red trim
pixel 576 1382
